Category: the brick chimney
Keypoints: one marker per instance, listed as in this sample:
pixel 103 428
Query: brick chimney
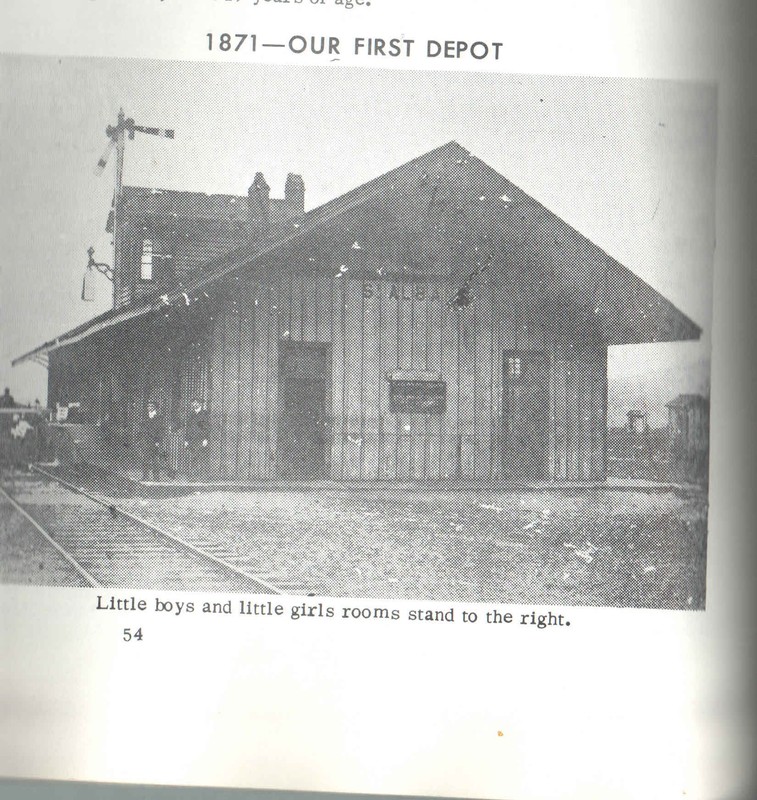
pixel 258 197
pixel 294 193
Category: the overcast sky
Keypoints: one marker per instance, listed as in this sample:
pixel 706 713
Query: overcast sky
pixel 630 164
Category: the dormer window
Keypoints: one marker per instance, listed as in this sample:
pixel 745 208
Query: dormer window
pixel 145 271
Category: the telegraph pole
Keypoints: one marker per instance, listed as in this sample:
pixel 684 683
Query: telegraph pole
pixel 119 134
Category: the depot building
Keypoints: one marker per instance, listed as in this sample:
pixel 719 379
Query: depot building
pixel 435 323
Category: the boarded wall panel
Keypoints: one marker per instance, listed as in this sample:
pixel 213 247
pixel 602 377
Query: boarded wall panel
pixel 483 397
pixel 372 379
pixel 309 307
pixel 353 378
pixel 244 421
pixel 404 455
pixel 296 292
pixel 286 304
pixel 417 331
pixel 449 457
pixel 418 334
pixel 273 328
pixel 598 402
pixel 560 423
pixel 260 333
pixel 376 327
pixel 435 312
pixel 572 426
pixel 407 424
pixel 420 448
pixel 466 393
pixel 583 417
pixel 390 427
pixel 386 310
pixel 232 389
pixel 322 307
pixel 216 404
pixel 339 425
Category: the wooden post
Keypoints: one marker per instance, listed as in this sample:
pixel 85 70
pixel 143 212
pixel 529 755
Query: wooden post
pixel 117 210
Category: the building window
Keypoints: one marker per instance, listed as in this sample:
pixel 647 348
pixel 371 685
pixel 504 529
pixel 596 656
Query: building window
pixel 514 367
pixel 156 264
pixel 145 272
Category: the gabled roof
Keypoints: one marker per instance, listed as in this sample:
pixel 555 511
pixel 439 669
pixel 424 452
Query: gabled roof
pixel 625 308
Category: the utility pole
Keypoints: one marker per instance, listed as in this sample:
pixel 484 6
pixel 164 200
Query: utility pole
pixel 119 134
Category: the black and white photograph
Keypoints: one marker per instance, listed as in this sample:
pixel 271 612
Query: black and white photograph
pixel 326 332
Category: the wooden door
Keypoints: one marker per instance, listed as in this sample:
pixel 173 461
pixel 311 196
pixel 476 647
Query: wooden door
pixel 525 410
pixel 304 441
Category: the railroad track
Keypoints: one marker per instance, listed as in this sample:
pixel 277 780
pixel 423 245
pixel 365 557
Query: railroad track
pixel 107 546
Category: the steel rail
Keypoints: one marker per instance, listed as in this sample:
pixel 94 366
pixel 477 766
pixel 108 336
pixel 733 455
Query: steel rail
pixel 177 540
pixel 93 582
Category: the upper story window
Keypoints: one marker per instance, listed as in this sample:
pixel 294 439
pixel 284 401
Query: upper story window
pixel 145 271
pixel 156 262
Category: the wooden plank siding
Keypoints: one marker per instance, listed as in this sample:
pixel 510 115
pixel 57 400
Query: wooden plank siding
pixel 375 325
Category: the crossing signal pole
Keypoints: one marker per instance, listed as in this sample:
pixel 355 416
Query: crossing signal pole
pixel 125 126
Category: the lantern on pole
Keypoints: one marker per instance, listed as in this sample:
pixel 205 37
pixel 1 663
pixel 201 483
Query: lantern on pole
pixel 87 284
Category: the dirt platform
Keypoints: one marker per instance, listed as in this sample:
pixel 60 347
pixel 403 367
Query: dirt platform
pixel 619 548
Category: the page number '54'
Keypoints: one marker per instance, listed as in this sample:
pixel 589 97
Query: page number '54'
pixel 128 635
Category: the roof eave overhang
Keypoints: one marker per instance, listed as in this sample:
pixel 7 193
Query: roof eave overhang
pixel 220 268
pixel 41 352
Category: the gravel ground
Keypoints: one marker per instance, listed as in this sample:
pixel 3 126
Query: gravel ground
pixel 606 548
